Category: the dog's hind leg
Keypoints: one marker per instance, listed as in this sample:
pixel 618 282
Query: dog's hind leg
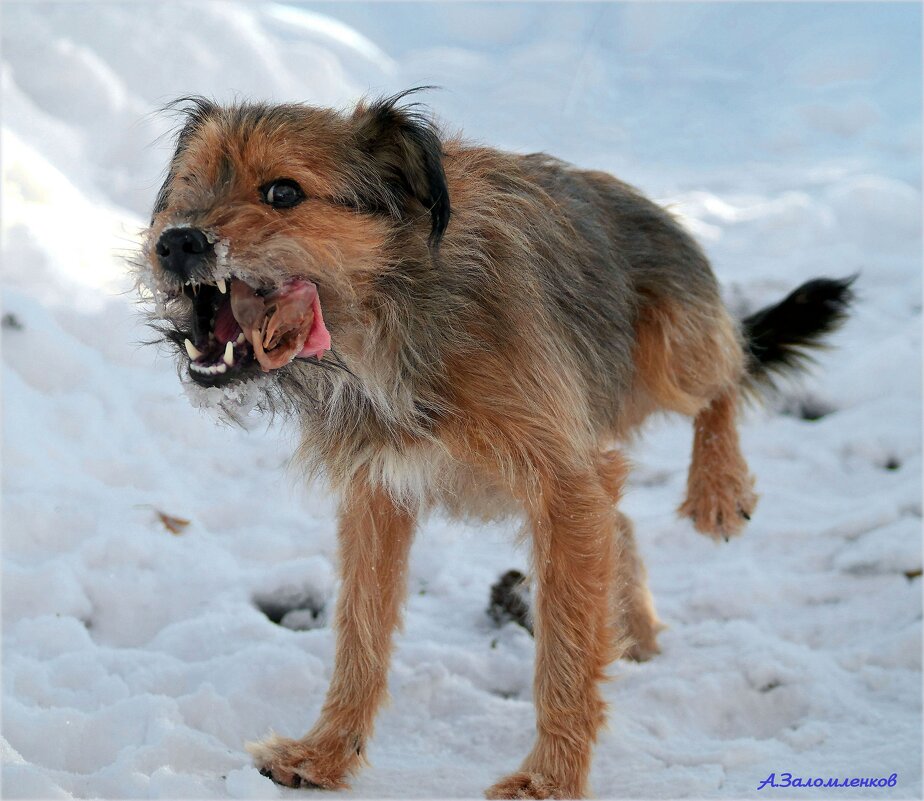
pixel 374 538
pixel 690 359
pixel 778 340
pixel 634 610
pixel 720 490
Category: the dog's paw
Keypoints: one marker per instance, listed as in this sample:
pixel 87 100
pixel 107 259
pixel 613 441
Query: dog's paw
pixel 641 627
pixel 298 763
pixel 526 785
pixel 641 650
pixel 720 514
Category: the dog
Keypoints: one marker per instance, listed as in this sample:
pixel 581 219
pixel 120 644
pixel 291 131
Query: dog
pixel 461 328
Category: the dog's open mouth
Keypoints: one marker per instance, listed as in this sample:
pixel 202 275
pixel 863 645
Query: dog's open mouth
pixel 237 328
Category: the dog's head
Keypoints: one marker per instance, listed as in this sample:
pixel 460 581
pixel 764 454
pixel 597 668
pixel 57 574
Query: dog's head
pixel 274 223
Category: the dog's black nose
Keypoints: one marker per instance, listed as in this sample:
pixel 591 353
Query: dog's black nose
pixel 182 250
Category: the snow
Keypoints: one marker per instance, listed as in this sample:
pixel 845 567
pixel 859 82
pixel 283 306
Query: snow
pixel 137 661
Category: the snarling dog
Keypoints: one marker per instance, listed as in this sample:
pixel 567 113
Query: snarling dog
pixel 461 328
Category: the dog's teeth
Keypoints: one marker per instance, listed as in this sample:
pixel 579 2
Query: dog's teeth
pixel 220 368
pixel 191 349
pixel 240 339
pixel 229 355
pixel 222 286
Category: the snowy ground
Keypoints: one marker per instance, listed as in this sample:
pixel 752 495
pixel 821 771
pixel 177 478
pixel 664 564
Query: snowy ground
pixel 137 661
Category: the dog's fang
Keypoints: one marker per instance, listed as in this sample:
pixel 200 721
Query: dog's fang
pixel 191 349
pixel 222 286
pixel 240 339
pixel 228 358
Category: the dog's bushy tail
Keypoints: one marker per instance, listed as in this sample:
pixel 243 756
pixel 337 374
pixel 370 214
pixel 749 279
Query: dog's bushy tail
pixel 779 339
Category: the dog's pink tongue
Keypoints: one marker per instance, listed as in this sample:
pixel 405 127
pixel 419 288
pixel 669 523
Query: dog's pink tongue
pixel 226 327
pixel 318 342
pixel 282 325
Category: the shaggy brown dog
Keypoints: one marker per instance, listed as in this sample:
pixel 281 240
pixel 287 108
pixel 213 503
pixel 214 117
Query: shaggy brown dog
pixel 485 358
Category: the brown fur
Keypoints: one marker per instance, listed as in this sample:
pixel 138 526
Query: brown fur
pixel 489 364
pixel 720 496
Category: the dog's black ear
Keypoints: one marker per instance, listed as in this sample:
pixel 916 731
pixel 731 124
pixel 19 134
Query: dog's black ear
pixel 402 151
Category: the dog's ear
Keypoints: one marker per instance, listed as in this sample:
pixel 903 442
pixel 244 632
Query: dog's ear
pixel 191 112
pixel 403 161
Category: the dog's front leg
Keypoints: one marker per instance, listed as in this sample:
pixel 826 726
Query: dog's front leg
pixel 574 554
pixel 374 538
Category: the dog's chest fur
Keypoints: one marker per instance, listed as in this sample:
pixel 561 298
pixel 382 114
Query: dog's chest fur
pixel 389 432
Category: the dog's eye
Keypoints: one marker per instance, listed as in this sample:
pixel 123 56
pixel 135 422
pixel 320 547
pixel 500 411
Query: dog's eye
pixel 282 194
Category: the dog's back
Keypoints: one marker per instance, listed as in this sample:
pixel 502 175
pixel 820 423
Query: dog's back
pixel 600 309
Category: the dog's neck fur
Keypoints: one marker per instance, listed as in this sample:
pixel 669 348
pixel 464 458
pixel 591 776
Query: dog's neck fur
pixel 386 403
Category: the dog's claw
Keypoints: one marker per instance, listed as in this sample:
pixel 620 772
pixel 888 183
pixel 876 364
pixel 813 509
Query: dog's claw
pixel 298 764
pixel 295 782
